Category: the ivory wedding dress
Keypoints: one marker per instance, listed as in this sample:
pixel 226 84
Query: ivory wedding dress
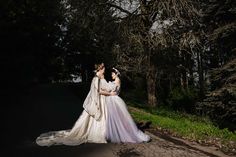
pixel 91 125
pixel 120 126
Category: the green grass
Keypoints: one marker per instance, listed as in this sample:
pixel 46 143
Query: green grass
pixel 182 124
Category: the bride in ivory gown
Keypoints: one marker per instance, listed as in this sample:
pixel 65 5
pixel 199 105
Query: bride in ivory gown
pixel 91 125
pixel 120 126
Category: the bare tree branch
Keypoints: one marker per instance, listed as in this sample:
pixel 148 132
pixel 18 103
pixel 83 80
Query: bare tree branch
pixel 120 8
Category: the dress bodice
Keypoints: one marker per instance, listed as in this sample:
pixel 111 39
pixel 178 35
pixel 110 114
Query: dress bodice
pixel 114 87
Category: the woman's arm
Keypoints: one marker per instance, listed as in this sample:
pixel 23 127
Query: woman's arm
pixel 102 89
pixel 117 81
pixel 103 92
pixel 107 93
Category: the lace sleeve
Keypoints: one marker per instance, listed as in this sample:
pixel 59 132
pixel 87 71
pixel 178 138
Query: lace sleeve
pixel 117 89
pixel 106 85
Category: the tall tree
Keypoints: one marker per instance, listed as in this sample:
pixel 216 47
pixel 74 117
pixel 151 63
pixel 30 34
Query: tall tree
pixel 90 31
pixel 220 24
pixel 43 39
pixel 149 29
pixel 30 30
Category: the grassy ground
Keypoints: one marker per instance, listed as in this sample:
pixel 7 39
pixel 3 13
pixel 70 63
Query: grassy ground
pixel 187 126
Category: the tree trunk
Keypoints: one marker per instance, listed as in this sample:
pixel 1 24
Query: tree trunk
pixel 184 79
pixel 151 86
pixel 191 79
pixel 200 73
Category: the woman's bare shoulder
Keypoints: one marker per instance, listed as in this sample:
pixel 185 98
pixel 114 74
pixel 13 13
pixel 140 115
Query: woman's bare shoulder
pixel 117 81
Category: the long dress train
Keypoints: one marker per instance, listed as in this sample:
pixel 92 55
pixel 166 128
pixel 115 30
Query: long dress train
pixel 90 126
pixel 120 125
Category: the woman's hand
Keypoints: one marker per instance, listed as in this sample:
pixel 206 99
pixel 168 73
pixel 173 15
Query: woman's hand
pixel 113 93
pixel 101 92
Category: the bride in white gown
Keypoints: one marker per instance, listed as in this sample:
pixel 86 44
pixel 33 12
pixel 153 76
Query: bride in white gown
pixel 91 125
pixel 120 126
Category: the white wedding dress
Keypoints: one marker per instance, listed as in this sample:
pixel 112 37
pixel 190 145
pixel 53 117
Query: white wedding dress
pixel 91 125
pixel 120 126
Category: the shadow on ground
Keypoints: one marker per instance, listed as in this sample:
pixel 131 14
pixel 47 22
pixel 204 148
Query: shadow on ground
pixel 41 108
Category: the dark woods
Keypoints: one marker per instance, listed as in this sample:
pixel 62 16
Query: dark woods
pixel 179 55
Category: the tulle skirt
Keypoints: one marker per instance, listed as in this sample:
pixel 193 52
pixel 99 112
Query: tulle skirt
pixel 120 126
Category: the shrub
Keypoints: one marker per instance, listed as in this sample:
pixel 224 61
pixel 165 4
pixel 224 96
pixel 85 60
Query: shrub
pixel 182 99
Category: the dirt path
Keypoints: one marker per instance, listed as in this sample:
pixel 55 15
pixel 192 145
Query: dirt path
pixel 161 147
pixel 158 147
pixel 48 108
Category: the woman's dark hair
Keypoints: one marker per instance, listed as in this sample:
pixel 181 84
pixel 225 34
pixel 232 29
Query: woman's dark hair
pixel 114 70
